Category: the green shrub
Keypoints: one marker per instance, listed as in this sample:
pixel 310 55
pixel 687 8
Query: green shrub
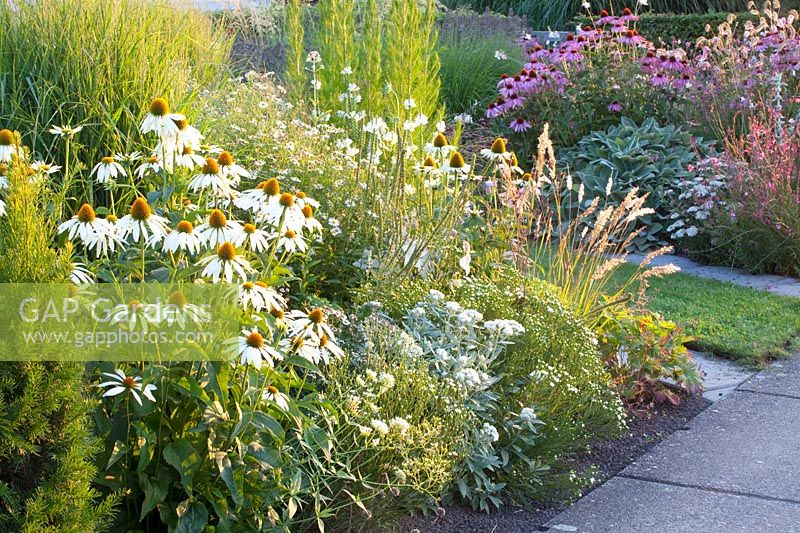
pixel 554 366
pixel 45 444
pixel 654 159
pixel 98 63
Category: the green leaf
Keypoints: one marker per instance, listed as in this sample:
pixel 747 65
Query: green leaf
pixel 227 474
pixel 182 456
pixel 155 490
pixel 120 450
pixel 192 517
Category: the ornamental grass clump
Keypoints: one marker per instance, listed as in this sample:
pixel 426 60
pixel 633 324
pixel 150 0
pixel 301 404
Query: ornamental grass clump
pixel 96 64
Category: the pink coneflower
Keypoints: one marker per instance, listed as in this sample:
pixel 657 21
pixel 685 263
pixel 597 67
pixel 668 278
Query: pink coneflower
pixel 615 107
pixel 619 29
pixel 659 79
pixel 520 125
pixel 538 52
pixel 628 16
pixel 673 63
pixel 683 82
pixel 606 19
pixel 493 110
pixel 631 37
pixel 514 101
pixel 507 87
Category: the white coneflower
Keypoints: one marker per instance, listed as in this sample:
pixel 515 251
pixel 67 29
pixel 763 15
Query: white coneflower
pixel 178 309
pixel 141 223
pixel 439 146
pixel 260 296
pixel 151 166
pixel 497 153
pixel 224 264
pixel 107 240
pixel 107 169
pixel 291 242
pixel 255 351
pixel 456 165
pixel 210 179
pixel 2 208
pixel 307 348
pixel 160 120
pixel 44 168
pixel 328 349
pixel 282 209
pixel 121 383
pixel 303 200
pixel 128 157
pixel 80 275
pixel 135 313
pixel 255 200
pixel 188 158
pixel 252 238
pixel 218 229
pixel 272 394
pixel 311 224
pixel 65 131
pixel 313 321
pixel 229 169
pixel 83 224
pixel 186 135
pixel 3 177
pixel 7 145
pixel 184 238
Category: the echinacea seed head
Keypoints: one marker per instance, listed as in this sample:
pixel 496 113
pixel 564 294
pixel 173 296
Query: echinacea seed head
pixel 297 342
pixel 527 176
pixel 627 11
pixel 272 389
pixel 255 340
pixel 159 107
pixel 128 382
pixel 457 160
pixel 140 210
pixel 135 305
pixel 316 316
pixel 211 166
pixel 287 200
pixel 440 141
pixel 111 218
pixel 86 213
pixel 277 313
pixel 301 195
pixel 107 160
pixel 290 234
pixel 308 212
pixel 153 159
pixel 429 162
pixel 226 251
pixel 182 124
pixel 514 160
pixel 3 169
pixel 6 138
pixel 217 219
pixel 261 184
pixel 261 284
pixel 187 150
pixel 178 299
pixel 603 13
pixel 249 228
pixel 247 285
pixel 272 187
pixel 499 146
pixel 225 159
pixel 323 341
pixel 184 226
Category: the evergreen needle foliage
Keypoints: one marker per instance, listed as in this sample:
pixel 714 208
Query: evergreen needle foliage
pixel 45 476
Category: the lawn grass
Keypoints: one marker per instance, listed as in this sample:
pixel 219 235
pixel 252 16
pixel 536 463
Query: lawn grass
pixel 746 325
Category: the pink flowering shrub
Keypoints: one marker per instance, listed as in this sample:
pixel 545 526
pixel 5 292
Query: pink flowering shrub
pixel 758 224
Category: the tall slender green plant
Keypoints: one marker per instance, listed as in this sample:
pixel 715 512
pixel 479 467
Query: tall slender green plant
pixel 45 473
pixel 295 33
pixel 411 63
pixel 336 40
pixel 371 75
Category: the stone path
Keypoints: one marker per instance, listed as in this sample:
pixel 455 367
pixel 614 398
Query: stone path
pixel 774 284
pixel 734 469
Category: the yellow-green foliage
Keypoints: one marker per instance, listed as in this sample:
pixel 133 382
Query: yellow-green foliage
pixel 98 63
pixel 295 62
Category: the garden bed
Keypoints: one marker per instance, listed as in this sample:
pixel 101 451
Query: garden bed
pixel 646 428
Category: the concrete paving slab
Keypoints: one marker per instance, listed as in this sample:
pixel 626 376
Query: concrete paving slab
pixel 782 377
pixel 746 443
pixel 628 505
pixel 721 373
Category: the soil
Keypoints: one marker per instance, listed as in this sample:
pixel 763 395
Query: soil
pixel 646 428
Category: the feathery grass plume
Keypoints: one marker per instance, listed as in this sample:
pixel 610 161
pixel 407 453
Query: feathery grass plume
pixel 295 55
pixel 45 443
